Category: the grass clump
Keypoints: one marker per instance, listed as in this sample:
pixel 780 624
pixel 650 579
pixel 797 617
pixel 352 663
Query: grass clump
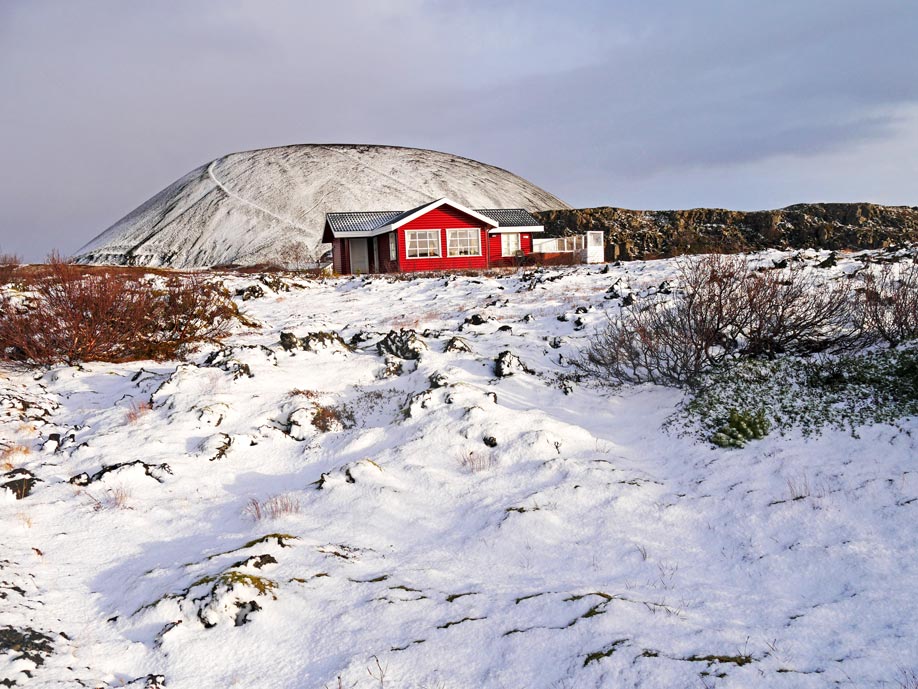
pixel 741 427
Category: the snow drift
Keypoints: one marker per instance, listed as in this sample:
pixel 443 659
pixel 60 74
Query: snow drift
pixel 245 207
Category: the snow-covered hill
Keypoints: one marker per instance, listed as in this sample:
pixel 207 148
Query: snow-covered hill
pixel 287 511
pixel 246 207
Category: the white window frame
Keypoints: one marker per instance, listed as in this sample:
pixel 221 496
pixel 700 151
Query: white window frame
pixel 393 247
pixel 415 234
pixel 454 242
pixel 504 248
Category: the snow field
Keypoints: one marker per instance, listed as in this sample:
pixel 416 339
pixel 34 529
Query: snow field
pixel 588 547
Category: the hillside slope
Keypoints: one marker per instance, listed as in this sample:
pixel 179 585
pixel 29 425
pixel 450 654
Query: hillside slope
pixel 634 234
pixel 286 511
pixel 245 207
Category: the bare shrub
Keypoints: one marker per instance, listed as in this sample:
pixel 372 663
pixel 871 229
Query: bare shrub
pixel 793 312
pixel 74 316
pixel 8 264
pixel 296 255
pixel 672 341
pixel 723 311
pixel 887 304
pixel 272 508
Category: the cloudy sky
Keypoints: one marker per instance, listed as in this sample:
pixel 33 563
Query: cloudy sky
pixel 657 104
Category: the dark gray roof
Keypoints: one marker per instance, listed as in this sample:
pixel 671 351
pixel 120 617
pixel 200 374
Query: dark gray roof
pixel 360 222
pixel 509 217
pixel 368 221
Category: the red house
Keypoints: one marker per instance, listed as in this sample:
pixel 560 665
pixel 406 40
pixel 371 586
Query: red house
pixel 436 236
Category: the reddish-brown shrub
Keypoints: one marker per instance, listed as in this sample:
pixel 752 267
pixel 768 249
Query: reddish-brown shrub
pixel 71 315
pixel 796 312
pixel 671 341
pixel 723 310
pixel 8 265
pixel 887 304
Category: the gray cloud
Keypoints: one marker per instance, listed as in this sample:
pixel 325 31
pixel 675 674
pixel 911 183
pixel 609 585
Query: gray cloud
pixel 652 104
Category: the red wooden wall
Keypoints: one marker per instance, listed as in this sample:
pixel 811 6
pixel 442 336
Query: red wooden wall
pixel 498 260
pixel 441 218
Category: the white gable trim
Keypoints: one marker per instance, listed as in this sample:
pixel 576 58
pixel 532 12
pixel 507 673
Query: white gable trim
pixel 442 202
pixel 513 230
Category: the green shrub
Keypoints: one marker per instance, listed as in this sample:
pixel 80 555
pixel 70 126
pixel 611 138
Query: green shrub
pixel 741 427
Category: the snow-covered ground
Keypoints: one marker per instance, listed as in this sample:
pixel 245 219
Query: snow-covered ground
pixel 581 546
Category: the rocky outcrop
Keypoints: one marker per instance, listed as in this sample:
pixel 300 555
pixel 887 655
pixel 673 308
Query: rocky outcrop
pixel 634 234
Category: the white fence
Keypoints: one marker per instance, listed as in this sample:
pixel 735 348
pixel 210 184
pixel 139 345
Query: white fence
pixel 588 247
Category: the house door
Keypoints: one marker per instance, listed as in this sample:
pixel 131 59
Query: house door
pixel 360 260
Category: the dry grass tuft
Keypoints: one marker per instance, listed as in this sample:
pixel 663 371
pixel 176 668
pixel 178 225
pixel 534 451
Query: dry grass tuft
pixel 113 498
pixel 476 461
pixel 272 508
pixel 8 452
pixel 328 418
pixel 137 410
pixel 300 392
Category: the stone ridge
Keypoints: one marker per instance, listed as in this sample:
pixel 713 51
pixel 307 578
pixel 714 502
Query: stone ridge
pixel 634 234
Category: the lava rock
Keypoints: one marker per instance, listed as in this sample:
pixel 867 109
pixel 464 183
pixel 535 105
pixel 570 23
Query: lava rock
pixel 457 344
pixel 404 344
pixel 289 341
pixel 507 364
pixel 19 481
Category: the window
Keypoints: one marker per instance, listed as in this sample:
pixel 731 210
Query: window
pixel 422 243
pixel 464 242
pixel 393 252
pixel 510 243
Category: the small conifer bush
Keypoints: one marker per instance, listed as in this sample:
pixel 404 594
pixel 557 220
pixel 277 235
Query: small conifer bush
pixel 741 427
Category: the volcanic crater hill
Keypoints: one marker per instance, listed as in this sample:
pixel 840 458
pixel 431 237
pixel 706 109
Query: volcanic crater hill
pixel 635 234
pixel 245 208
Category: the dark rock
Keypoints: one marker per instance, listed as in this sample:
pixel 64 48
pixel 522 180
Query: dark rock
pixel 314 342
pixel 505 329
pixel 438 380
pixel 289 341
pixel 507 364
pixel 579 324
pixel 490 441
pixel 404 344
pixel 246 608
pixel 634 234
pixel 830 261
pixel 154 471
pixel 257 561
pixel 26 644
pixel 250 292
pixel 457 344
pixel 554 342
pixel 475 319
pixel 581 309
pixel 628 299
pixel 19 481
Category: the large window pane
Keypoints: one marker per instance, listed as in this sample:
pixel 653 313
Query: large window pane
pixel 422 243
pixel 463 242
